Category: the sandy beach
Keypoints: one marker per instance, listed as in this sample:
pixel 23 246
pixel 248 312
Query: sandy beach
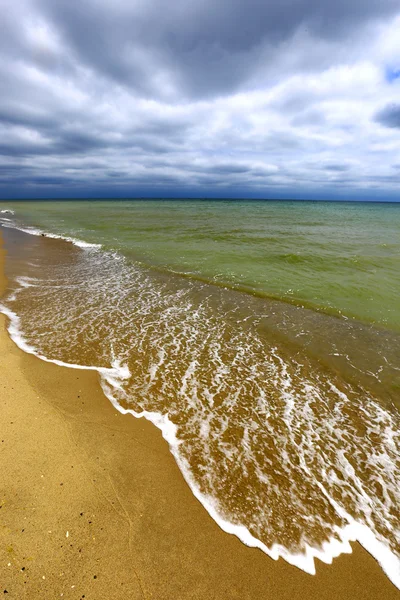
pixel 92 505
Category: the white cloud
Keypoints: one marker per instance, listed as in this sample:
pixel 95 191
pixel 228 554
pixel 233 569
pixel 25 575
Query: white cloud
pixel 298 118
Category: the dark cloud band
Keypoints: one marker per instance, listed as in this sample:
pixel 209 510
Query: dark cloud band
pixel 251 97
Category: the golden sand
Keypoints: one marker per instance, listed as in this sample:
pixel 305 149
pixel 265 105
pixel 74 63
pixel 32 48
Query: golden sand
pixel 93 506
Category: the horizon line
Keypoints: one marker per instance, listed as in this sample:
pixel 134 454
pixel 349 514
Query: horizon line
pixel 202 198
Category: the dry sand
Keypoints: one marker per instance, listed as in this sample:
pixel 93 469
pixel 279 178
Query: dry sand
pixel 93 506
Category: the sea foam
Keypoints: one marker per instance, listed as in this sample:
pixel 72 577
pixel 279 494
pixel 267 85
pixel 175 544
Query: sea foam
pixel 114 379
pixel 40 232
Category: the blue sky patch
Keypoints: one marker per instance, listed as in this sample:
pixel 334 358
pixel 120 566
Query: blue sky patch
pixel 392 75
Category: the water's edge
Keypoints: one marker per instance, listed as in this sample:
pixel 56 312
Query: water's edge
pixel 110 379
pixel 253 292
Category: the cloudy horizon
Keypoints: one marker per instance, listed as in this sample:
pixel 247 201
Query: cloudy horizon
pixel 257 99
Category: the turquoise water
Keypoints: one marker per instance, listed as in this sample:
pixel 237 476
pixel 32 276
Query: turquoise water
pixel 340 257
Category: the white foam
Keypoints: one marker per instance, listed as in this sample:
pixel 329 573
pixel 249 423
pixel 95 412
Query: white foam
pixel 112 379
pixel 353 532
pixel 114 374
pixel 25 282
pixel 7 211
pixel 55 236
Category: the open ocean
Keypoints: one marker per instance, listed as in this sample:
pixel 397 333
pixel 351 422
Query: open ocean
pixel 262 338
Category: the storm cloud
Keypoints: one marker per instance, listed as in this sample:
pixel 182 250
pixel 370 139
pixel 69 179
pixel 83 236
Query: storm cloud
pixel 257 98
pixel 389 116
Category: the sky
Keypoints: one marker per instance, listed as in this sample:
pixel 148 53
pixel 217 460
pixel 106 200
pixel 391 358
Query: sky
pixel 198 98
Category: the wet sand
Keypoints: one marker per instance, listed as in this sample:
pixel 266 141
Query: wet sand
pixel 93 506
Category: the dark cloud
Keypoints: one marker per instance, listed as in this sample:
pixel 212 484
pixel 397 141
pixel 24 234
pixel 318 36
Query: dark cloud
pixel 70 143
pixel 337 167
pixel 196 95
pixel 228 169
pixel 389 116
pixel 203 47
pixel 51 181
pixel 17 115
pixel 10 172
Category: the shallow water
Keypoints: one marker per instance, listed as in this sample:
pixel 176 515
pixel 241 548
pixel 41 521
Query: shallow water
pixel 284 420
pixel 332 256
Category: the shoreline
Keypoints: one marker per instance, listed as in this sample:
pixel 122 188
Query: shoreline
pixel 308 305
pixel 141 534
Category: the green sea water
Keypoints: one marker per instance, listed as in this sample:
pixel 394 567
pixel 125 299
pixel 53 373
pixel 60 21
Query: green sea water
pixel 337 257
pixel 283 420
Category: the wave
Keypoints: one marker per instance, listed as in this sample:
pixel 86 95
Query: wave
pixel 41 232
pixel 112 380
pixel 287 297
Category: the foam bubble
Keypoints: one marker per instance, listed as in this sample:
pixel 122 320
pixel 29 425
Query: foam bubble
pixel 216 390
pixel 26 282
pixel 114 375
pixel 352 532
pixel 55 236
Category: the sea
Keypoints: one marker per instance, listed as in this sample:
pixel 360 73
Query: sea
pixel 261 337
